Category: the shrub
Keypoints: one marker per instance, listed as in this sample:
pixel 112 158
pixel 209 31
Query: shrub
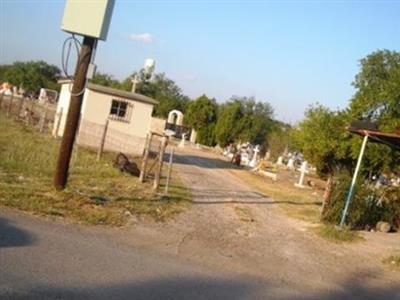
pixel 368 205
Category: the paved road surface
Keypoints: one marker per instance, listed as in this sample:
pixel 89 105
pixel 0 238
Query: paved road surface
pixel 208 252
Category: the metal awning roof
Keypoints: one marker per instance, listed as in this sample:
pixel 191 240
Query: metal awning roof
pixel 391 139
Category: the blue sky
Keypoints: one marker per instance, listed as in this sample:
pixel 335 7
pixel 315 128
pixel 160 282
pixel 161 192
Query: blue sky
pixel 289 53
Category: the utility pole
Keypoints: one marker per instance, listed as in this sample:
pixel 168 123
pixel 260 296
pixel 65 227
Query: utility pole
pixel 71 125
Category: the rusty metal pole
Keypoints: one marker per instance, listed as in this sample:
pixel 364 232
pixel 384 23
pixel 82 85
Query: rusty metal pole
pixel 10 105
pixel 171 157
pixel 145 158
pixel 1 99
pixel 102 141
pixel 71 125
pixel 21 106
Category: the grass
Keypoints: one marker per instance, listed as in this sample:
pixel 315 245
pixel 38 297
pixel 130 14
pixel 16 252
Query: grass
pixel 97 193
pixel 393 261
pixel 303 204
pixel 337 235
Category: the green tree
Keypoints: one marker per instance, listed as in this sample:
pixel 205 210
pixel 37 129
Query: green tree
pixel 243 119
pixel 322 139
pixel 377 98
pixel 166 91
pixel 378 89
pixel 278 139
pixel 106 80
pixel 201 115
pixel 31 75
pixel 226 127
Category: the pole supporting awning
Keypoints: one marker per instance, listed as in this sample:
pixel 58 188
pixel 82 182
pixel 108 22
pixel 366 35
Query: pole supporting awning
pixel 390 139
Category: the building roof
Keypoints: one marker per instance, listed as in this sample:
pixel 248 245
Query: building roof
pixel 115 92
pixel 391 139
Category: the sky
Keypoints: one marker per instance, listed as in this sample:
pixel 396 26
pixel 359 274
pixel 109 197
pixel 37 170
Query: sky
pixel 288 53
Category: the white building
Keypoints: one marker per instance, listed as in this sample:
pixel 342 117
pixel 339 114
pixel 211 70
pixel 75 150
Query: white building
pixel 128 115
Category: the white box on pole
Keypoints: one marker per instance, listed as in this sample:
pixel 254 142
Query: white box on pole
pixel 88 17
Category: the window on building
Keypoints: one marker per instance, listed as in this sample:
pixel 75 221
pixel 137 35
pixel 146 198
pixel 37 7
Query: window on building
pixel 120 110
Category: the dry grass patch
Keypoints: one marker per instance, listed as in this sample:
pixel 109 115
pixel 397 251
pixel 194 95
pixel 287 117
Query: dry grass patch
pixel 338 235
pixel 393 261
pixel 302 204
pixel 97 193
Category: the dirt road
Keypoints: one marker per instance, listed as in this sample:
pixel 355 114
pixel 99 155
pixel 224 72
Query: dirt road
pixel 234 243
pixel 234 227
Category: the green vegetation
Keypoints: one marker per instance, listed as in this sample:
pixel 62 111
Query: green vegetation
pixel 368 205
pixel 337 234
pixel 325 143
pixel 244 119
pixel 31 75
pixel 201 115
pixel 97 192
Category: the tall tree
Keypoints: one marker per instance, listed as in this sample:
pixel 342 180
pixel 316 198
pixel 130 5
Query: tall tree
pixel 322 139
pixel 105 79
pixel 166 91
pixel 245 119
pixel 32 75
pixel 377 98
pixel 201 114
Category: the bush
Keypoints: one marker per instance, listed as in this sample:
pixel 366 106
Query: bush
pixel 368 205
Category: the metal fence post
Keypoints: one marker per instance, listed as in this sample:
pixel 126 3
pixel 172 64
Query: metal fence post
pixel 43 120
pixel 21 105
pixel 59 116
pixel 171 156
pixel 10 105
pixel 160 163
pixel 102 141
pixel 1 99
pixel 145 158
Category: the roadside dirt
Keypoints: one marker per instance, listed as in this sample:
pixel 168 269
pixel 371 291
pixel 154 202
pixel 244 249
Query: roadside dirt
pixel 235 228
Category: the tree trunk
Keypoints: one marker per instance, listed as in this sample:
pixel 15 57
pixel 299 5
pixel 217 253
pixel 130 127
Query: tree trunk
pixel 328 192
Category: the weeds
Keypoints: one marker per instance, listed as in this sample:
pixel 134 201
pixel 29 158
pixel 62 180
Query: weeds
pixel 97 193
pixel 393 261
pixel 338 235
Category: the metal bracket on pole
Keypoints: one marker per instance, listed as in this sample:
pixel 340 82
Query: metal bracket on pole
pixel 353 182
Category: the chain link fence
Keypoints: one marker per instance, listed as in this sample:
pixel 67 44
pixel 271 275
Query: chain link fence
pixel 40 116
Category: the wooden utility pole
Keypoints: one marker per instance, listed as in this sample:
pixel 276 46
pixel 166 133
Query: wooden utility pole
pixel 71 124
pixel 160 163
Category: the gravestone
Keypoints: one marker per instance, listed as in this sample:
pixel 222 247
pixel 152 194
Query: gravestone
pixel 290 164
pixel 182 142
pixel 303 170
pixel 254 159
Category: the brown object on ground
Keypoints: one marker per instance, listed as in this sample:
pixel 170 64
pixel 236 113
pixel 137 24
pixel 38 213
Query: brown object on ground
pixel 383 226
pixel 124 165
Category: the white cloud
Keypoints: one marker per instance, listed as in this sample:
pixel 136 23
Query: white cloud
pixel 142 37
